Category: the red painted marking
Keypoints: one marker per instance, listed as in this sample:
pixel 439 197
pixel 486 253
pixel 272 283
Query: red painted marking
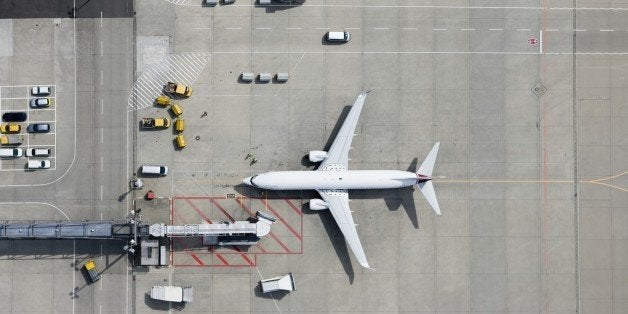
pixel 222 259
pixel 272 235
pixel 296 234
pixel 198 260
pixel 222 209
pixel 246 258
pixel 198 210
pixel 261 248
pixel 296 210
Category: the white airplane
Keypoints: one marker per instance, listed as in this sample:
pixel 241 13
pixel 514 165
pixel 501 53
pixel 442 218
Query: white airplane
pixel 332 180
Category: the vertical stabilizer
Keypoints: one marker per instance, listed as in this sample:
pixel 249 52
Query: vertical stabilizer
pixel 424 177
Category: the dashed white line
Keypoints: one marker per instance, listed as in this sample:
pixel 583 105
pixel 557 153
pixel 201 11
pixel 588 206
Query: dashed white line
pixel 102 77
pixel 439 29
pixel 102 135
pixel 263 28
pixel 102 106
pixel 523 29
pixel 323 28
pixel 101 191
pixel 102 164
pixel 410 28
pixel 100 19
pixel 579 30
pixel 202 28
pixel 607 30
pixel 293 28
pixel 380 28
pixel 467 29
pixel 495 29
pixel 349 28
pixel 101 48
pixel 233 28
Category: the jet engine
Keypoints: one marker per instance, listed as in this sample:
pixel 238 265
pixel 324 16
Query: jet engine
pixel 317 155
pixel 318 204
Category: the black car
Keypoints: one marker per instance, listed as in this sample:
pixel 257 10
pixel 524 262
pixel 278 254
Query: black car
pixel 38 128
pixel 14 117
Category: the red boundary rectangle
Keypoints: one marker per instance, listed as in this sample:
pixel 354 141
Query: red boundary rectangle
pixel 211 258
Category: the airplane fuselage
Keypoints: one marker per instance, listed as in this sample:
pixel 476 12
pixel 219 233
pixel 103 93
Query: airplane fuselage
pixel 332 180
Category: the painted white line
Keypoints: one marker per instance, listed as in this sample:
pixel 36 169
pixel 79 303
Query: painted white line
pixel 607 30
pixel 293 28
pixel 540 41
pixel 323 28
pixel 101 48
pixel 232 28
pixel 202 28
pixel 495 29
pixel 350 28
pixel 552 30
pixel 102 135
pixel 380 28
pixel 263 28
pixel 410 28
pixel 102 106
pixel 579 30
pixel 102 77
pixel 439 29
pixel 102 163
pixel 467 29
pixel 523 29
pixel 101 191
pixel 100 19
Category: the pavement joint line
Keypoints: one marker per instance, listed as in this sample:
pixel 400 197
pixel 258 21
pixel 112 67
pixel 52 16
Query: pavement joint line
pixel 552 30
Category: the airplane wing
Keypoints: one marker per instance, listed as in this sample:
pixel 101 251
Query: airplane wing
pixel 338 154
pixel 338 202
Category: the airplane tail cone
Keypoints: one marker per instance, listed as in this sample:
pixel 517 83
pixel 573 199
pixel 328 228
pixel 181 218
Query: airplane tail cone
pixel 424 177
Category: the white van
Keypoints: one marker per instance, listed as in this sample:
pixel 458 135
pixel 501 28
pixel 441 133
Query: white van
pixel 38 164
pixel 154 170
pixel 11 152
pixel 338 37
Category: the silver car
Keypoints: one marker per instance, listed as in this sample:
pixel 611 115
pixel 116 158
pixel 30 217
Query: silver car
pixel 40 90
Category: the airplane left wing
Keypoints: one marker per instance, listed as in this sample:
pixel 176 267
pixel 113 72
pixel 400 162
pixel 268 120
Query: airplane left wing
pixel 338 155
pixel 338 202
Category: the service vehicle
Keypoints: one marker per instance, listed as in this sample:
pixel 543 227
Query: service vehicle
pixel 38 128
pixel 172 293
pixel 285 283
pixel 14 116
pixel 38 164
pixel 11 139
pixel 11 152
pixel 154 170
pixel 38 152
pixel 178 89
pixel 341 37
pixel 40 90
pixel 92 271
pixel 176 110
pixel 155 123
pixel 10 128
pixel 179 125
pixel 180 140
pixel 40 102
pixel 163 100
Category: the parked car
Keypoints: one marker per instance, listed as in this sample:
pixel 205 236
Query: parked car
pixel 341 37
pixel 10 128
pixel 38 164
pixel 14 116
pixel 154 170
pixel 40 102
pixel 38 128
pixel 38 152
pixel 40 90
pixel 11 152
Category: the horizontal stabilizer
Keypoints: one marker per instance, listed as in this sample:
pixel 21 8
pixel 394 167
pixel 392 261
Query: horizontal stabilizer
pixel 427 188
pixel 427 166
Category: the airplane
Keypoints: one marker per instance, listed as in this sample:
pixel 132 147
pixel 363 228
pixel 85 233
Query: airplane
pixel 332 180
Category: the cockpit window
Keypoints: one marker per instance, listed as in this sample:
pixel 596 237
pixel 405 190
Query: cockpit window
pixel 253 183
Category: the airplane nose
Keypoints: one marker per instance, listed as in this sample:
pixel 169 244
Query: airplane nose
pixel 247 181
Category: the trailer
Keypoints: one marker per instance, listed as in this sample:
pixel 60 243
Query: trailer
pixel 155 123
pixel 92 271
pixel 172 293
pixel 178 89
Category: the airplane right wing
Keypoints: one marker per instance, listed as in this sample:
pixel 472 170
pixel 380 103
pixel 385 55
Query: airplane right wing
pixel 338 202
pixel 338 154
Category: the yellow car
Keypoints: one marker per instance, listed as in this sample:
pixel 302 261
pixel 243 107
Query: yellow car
pixel 10 128
pixel 163 100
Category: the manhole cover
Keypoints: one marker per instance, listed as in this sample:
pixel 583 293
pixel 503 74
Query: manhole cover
pixel 539 89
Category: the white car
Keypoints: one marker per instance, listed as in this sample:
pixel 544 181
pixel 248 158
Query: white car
pixel 38 152
pixel 40 90
pixel 40 102
pixel 38 164
pixel 11 152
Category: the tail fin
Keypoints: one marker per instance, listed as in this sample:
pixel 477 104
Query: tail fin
pixel 426 186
